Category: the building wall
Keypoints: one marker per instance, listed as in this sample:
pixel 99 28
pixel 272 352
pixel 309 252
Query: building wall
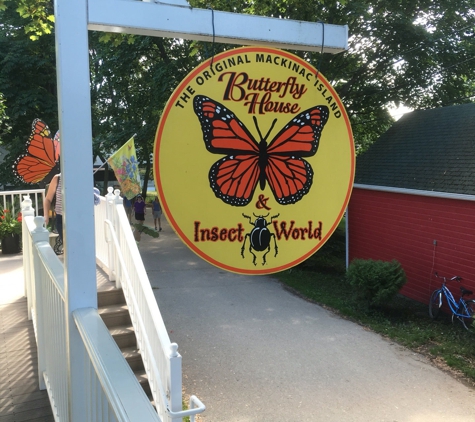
pixel 386 226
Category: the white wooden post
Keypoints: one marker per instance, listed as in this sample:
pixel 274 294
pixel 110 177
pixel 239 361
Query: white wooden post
pixel 39 234
pixel 27 211
pixel 175 380
pixel 110 203
pixel 117 201
pixel 347 240
pixel 74 104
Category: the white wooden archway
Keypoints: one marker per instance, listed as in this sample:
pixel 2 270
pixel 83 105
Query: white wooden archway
pixel 171 18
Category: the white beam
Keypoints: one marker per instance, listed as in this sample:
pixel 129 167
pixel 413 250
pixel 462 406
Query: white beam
pixel 167 20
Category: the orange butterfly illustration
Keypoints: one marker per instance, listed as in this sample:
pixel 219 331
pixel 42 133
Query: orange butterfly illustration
pixel 41 160
pixel 248 163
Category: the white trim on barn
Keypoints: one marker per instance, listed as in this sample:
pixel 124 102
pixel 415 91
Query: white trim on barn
pixel 429 193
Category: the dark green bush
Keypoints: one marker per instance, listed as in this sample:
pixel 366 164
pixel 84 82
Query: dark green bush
pixel 376 282
pixel 330 258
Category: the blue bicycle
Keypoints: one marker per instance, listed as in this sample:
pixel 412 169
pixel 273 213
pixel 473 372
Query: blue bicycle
pixel 463 309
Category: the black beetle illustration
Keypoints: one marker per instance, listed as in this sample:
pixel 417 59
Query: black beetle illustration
pixel 260 237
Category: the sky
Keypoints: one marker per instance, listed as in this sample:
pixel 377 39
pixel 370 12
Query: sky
pixel 398 112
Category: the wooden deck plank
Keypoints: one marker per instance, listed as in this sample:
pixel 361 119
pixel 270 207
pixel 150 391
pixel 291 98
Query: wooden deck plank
pixel 6 406
pixel 35 415
pixel 20 397
pixel 26 397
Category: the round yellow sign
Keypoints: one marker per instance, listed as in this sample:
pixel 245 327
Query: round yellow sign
pixel 254 160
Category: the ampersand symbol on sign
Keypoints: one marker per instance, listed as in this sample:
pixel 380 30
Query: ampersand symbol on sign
pixel 262 202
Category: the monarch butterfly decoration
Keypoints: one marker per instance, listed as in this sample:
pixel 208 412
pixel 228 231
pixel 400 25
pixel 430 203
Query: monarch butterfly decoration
pixel 41 160
pixel 247 163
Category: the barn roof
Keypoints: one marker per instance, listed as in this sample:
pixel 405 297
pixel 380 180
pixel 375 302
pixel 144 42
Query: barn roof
pixel 432 150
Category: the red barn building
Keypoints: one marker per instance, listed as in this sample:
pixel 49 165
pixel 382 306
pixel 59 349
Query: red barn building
pixel 414 199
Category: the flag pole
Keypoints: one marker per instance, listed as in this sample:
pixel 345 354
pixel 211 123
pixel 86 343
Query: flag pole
pixel 96 170
pixel 105 162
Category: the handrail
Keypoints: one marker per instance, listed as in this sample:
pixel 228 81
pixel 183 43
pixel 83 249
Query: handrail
pixel 109 388
pixel 46 305
pixel 132 297
pixel 21 192
pixel 15 198
pixel 115 376
pixel 102 259
pixel 165 355
pixel 53 266
pixel 190 412
pixel 109 224
pixel 193 399
pixel 47 302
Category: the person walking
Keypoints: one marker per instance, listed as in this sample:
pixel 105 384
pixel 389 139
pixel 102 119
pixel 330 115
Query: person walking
pixel 128 208
pixel 139 209
pixel 157 213
pixel 55 194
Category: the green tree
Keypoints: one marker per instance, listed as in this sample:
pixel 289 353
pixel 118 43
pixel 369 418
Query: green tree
pixel 130 87
pixel 131 79
pixel 38 13
pixel 27 83
pixel 3 114
pixel 417 53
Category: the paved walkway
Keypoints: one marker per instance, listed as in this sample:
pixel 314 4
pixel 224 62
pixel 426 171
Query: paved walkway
pixel 20 397
pixel 253 352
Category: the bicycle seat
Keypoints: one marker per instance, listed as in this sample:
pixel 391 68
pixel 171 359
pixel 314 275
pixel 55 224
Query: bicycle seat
pixel 464 291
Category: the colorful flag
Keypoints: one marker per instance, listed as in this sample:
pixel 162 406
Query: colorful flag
pixel 126 169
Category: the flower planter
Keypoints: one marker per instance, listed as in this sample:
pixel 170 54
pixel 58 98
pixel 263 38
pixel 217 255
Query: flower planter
pixel 11 244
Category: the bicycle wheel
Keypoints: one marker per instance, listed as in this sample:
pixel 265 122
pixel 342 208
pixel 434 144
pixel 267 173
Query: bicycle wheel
pixel 468 320
pixel 435 304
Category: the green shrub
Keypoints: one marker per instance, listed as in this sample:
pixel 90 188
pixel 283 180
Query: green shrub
pixel 150 197
pixel 376 282
pixel 331 257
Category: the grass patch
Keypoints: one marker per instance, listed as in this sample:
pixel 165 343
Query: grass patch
pixel 322 280
pixel 151 194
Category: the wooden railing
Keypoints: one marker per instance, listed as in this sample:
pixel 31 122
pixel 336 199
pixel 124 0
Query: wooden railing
pixel 161 358
pixel 118 396
pixel 108 389
pixel 12 199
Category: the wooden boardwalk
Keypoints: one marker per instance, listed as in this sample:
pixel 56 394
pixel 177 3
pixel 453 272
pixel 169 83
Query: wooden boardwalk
pixel 20 396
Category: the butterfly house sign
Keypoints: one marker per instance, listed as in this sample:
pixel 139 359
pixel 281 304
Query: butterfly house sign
pixel 254 160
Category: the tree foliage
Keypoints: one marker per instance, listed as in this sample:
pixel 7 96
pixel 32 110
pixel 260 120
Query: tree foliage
pixel 130 87
pixel 417 53
pixel 27 83
pixel 38 14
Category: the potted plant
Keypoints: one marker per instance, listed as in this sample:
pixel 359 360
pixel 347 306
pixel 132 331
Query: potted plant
pixel 10 231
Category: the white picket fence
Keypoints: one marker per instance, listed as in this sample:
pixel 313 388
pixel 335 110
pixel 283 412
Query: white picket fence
pixel 123 263
pixel 12 199
pixel 109 390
